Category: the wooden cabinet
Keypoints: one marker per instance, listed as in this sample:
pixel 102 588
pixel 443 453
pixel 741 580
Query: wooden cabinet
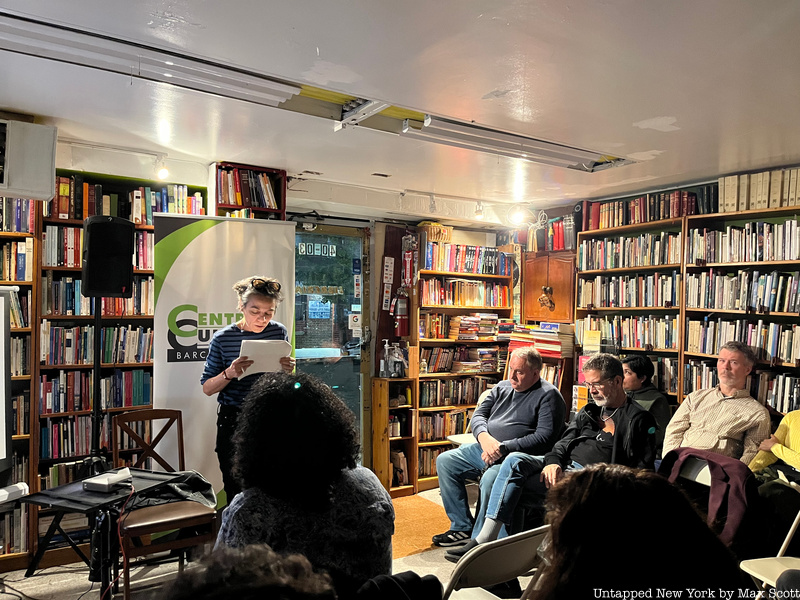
pixel 555 270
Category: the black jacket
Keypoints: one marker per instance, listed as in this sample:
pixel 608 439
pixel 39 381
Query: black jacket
pixel 634 437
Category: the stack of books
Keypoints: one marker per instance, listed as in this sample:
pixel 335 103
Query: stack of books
pixel 464 327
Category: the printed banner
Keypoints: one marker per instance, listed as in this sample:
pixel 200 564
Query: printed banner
pixel 197 261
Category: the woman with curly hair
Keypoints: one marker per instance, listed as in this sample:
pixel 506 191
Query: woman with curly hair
pixel 296 452
pixel 225 372
pixel 614 528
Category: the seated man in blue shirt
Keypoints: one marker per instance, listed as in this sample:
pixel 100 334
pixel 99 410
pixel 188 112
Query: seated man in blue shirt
pixel 612 429
pixel 523 414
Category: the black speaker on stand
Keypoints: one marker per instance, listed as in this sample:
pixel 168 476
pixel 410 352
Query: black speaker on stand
pixel 107 272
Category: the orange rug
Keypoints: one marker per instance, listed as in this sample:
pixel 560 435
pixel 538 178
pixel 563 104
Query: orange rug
pixel 416 521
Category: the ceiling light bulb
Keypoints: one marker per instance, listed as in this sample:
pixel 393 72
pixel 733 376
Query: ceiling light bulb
pixel 479 210
pixel 517 217
pixel 163 172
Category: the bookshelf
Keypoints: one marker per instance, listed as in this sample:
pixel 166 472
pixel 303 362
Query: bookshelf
pixel 41 245
pixel 247 191
pixel 462 292
pixel 629 294
pixel 394 409
pixel 723 265
pixel 18 250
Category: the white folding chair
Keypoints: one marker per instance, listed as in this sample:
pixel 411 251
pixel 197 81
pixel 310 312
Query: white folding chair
pixel 696 469
pixel 765 571
pixel 495 562
pixel 467 438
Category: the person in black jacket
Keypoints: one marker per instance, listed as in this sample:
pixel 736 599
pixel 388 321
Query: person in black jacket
pixel 612 429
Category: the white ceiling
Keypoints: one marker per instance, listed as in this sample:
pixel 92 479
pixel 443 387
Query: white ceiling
pixel 689 88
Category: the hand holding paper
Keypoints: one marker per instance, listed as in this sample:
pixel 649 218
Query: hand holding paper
pixel 265 354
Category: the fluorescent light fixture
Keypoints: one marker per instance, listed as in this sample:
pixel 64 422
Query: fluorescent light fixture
pixel 362 110
pixel 492 141
pixel 26 36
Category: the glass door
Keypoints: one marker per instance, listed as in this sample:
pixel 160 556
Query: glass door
pixel 331 295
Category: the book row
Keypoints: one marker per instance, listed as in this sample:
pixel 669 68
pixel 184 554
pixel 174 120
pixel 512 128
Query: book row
pixel 20 463
pixel 646 332
pixel 557 234
pixel 752 242
pixel 443 360
pixel 14 528
pixel 20 355
pixel 466 293
pixel 437 426
pixel 62 246
pixel 757 191
pixel 79 199
pixel 62 296
pixel 17 215
pixel 624 252
pixel 465 258
pixel 453 392
pixel 71 391
pixel 651 207
pixel 630 291
pixel 744 290
pixel 21 413
pixel 75 345
pixel 17 260
pixel 771 341
pixel 20 308
pixel 426 467
pixel 245 187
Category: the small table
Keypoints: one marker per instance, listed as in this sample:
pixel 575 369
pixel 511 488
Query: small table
pixel 72 498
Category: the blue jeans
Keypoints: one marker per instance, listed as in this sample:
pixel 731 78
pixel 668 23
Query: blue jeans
pixel 518 473
pixel 453 468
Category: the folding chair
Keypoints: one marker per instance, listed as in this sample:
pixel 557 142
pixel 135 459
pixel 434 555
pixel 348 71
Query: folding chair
pixel 139 524
pixel 496 562
pixel 765 571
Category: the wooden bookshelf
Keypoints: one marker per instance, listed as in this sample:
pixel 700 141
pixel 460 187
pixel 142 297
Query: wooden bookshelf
pixel 248 191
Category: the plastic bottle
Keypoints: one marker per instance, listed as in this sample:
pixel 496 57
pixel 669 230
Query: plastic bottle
pixel 423 365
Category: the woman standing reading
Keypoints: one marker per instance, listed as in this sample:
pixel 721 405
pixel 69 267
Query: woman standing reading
pixel 225 371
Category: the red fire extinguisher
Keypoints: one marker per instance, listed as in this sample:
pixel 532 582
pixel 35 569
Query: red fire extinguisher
pixel 400 312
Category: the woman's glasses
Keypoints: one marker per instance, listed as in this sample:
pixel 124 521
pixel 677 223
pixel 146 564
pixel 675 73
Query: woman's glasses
pixel 264 286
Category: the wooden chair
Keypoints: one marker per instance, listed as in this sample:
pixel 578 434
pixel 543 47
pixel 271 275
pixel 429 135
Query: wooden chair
pixel 136 526
pixel 496 562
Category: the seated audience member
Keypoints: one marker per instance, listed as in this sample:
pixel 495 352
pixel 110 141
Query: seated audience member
pixel 724 419
pixel 612 429
pixel 638 373
pixel 523 414
pixel 781 450
pixel 253 572
pixel 779 455
pixel 296 449
pixel 616 528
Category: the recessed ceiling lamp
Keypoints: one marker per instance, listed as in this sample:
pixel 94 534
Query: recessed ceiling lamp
pixel 479 210
pixel 65 44
pixel 492 141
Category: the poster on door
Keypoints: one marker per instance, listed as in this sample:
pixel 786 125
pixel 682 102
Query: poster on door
pixel 197 261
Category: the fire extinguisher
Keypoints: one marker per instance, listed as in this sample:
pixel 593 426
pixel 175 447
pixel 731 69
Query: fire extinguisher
pixel 400 313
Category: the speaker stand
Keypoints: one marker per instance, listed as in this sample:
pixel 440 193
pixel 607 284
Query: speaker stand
pixel 97 411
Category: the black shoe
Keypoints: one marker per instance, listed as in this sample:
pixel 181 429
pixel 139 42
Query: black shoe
pixel 455 555
pixel 451 538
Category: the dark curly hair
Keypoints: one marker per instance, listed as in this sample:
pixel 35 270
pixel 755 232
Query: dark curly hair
pixel 641 366
pixel 253 572
pixel 293 439
pixel 614 527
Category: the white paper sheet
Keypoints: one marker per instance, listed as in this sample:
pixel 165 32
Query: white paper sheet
pixel 266 355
